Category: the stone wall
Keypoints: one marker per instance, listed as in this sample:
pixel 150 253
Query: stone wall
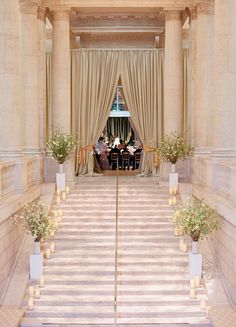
pixel 214 180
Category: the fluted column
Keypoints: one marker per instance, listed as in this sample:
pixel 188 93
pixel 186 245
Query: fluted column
pixel 10 100
pixel 192 60
pixel 204 73
pixel 29 56
pixel 173 90
pixel 42 75
pixel 61 70
pixel 224 108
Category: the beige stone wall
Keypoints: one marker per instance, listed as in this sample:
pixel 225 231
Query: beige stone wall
pixel 10 243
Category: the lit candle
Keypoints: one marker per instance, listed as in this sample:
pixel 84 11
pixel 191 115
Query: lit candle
pixel 58 200
pixel 59 213
pixel 52 234
pixel 41 282
pixel 180 231
pixel 175 190
pixel 63 196
pixel 192 283
pixel 171 191
pixel 30 304
pixel 67 190
pixel 176 232
pixel 174 200
pixel 192 293
pixel 203 305
pixel 48 254
pixel 185 247
pixel 181 242
pixel 170 202
pixel 37 293
pixel 197 281
pixel 58 191
pixel 52 247
pixel 56 213
pixel 31 290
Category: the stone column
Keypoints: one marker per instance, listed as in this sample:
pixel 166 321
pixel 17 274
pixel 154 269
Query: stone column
pixel 29 53
pixel 61 70
pixel 224 107
pixel 42 75
pixel 185 38
pixel 11 121
pixel 173 91
pixel 192 61
pixel 204 73
pixel 162 40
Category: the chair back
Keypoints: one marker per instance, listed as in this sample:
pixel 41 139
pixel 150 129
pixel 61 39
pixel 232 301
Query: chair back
pixel 114 156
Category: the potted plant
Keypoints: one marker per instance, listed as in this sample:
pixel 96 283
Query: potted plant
pixel 60 145
pixel 196 219
pixel 34 218
pixel 172 148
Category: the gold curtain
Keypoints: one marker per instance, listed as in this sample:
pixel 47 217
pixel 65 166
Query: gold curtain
pixel 95 75
pixel 186 121
pixel 142 80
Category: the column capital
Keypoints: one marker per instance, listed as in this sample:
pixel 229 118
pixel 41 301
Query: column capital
pixel 42 13
pixel 29 7
pixel 61 14
pixel 172 15
pixel 193 13
pixel 205 7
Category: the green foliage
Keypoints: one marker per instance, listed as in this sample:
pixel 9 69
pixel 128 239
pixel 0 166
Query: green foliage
pixel 60 145
pixel 196 219
pixel 173 147
pixel 34 218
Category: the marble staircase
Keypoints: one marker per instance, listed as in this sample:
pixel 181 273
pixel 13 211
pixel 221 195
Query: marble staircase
pixel 124 272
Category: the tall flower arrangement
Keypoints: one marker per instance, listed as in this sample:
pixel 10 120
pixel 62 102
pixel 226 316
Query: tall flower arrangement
pixel 196 219
pixel 35 219
pixel 60 145
pixel 173 147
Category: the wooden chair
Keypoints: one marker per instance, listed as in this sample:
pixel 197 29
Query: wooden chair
pixel 137 158
pixel 114 160
pixel 125 159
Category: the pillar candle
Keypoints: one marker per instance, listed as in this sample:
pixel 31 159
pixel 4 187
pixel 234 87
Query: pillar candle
pixel 41 282
pixel 175 190
pixel 192 283
pixel 52 247
pixel 30 303
pixel 176 232
pixel 170 202
pixel 56 213
pixel 185 247
pixel 48 254
pixel 181 242
pixel 203 305
pixel 63 196
pixel 174 200
pixel 37 293
pixel 171 191
pixel 52 234
pixel 192 293
pixel 197 281
pixel 31 290
pixel 59 213
pixel 58 192
pixel 58 200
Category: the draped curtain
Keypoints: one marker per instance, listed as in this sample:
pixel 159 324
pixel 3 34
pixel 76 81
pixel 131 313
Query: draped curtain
pixel 94 78
pixel 142 80
pixel 95 75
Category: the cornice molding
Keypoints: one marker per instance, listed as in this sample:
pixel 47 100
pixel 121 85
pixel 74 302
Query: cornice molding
pixel 172 15
pixel 29 7
pixel 205 7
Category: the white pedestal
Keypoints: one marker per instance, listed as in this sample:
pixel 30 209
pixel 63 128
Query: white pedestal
pixel 195 265
pixel 36 266
pixel 61 181
pixel 173 180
